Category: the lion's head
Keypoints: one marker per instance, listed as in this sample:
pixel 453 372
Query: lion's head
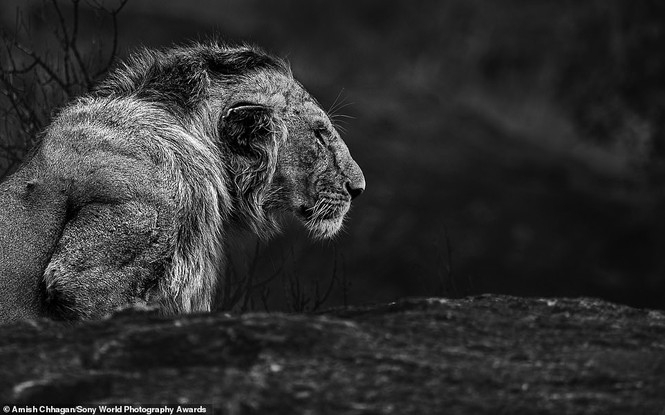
pixel 285 139
pixel 279 148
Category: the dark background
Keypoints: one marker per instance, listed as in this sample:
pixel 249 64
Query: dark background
pixel 509 146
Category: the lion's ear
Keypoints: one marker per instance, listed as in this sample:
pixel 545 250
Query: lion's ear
pixel 243 126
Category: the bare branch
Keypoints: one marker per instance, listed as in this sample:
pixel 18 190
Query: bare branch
pixel 114 46
pixel 43 65
pixel 65 41
pixel 32 81
pixel 73 46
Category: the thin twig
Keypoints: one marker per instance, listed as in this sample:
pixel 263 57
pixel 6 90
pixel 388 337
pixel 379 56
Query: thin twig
pixel 73 45
pixel 65 41
pixel 62 84
pixel 114 47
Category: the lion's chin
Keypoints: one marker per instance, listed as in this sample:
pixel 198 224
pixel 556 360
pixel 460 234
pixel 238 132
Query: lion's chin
pixel 324 220
pixel 324 228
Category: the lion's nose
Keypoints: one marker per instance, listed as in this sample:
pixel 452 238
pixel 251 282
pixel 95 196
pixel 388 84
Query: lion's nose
pixel 355 179
pixel 355 189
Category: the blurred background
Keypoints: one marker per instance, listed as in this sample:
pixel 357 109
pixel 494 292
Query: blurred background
pixel 509 146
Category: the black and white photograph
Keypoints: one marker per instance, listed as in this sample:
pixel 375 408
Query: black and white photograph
pixel 332 207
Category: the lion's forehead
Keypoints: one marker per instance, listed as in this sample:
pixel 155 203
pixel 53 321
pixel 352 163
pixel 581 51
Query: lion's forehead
pixel 311 108
pixel 297 98
pixel 311 114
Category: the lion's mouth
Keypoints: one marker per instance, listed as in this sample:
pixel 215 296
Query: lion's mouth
pixel 325 217
pixel 324 209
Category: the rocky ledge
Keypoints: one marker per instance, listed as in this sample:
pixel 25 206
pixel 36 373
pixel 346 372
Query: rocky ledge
pixel 480 355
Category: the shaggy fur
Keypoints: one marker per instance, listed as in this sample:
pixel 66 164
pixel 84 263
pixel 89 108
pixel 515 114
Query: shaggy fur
pixel 146 176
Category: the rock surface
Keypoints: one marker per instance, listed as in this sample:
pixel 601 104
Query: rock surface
pixel 481 355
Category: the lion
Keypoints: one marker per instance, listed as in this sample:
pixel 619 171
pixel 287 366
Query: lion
pixel 132 193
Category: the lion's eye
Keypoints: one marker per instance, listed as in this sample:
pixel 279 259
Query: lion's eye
pixel 320 134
